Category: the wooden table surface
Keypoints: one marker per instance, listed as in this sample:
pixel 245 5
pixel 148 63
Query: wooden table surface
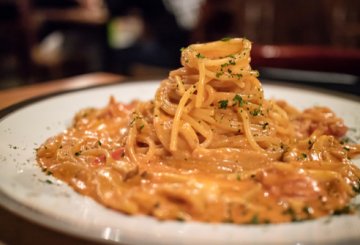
pixel 15 95
pixel 15 229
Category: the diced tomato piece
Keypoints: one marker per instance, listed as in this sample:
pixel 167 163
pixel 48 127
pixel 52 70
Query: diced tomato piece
pixel 100 160
pixel 118 153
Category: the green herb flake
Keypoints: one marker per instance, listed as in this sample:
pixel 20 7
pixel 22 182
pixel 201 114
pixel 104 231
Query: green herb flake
pixel 182 49
pixel 238 177
pixel 48 182
pixel 99 143
pixel 223 104
pixel 224 65
pixel 200 56
pixel 346 148
pixel 238 100
pixel 219 74
pixel 256 112
pixel 46 171
pixel 141 127
pixel 254 220
pixel 307 210
pixel 225 39
pixel 134 120
pixel 291 212
pixel 237 75
pixel 256 73
pixel 345 140
pixel 232 62
pixel 78 153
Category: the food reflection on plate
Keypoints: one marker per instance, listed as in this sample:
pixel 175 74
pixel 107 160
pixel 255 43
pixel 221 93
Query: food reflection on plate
pixel 209 147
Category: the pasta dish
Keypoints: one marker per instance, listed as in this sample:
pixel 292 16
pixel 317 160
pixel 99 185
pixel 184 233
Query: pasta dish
pixel 209 147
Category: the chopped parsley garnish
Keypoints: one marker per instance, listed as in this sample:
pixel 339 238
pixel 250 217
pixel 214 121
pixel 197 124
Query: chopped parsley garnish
pixel 256 112
pixel 238 177
pixel 78 153
pixel 45 170
pixel 99 143
pixel 345 140
pixel 346 148
pixel 225 39
pixel 200 56
pixel 237 75
pixel 303 155
pixel 256 74
pixel 291 212
pixel 141 127
pixel 224 65
pixel 48 181
pixel 219 74
pixel 134 119
pixel 232 62
pixel 238 100
pixel 254 219
pixel 182 49
pixel 223 104
pixel 307 210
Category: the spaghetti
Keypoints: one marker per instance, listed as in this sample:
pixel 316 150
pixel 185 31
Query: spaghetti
pixel 210 148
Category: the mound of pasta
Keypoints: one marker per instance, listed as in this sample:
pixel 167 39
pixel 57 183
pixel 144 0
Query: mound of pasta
pixel 209 147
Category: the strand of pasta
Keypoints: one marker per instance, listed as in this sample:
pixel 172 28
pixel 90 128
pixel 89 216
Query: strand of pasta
pixel 246 124
pixel 200 86
pixel 177 117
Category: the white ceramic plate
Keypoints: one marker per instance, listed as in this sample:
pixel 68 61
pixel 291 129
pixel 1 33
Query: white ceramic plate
pixel 25 189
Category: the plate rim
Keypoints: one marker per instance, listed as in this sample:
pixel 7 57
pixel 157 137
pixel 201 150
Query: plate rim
pixel 18 105
pixel 88 233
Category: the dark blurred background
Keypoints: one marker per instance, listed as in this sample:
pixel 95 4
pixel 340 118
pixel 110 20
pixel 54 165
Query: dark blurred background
pixel 43 40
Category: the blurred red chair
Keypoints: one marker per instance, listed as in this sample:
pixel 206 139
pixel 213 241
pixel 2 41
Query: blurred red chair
pixel 332 68
pixel 313 58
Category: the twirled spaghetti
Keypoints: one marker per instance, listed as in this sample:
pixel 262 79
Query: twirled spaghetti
pixel 210 148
